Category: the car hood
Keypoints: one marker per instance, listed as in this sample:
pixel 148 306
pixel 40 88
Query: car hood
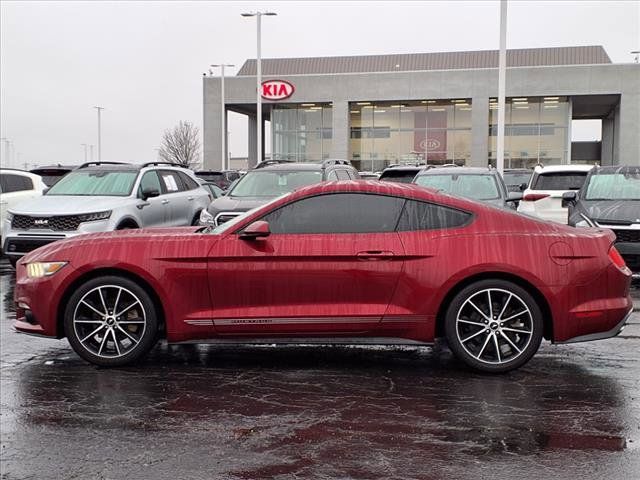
pixel 113 238
pixel 614 211
pixel 69 204
pixel 236 204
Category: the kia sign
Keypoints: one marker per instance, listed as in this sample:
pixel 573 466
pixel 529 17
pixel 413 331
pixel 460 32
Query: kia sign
pixel 276 89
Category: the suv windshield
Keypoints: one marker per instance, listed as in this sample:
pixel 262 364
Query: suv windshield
pixel 476 187
pixel 559 181
pixel 94 182
pixel 273 183
pixel 614 186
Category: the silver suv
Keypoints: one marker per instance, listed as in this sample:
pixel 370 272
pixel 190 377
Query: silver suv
pixel 101 197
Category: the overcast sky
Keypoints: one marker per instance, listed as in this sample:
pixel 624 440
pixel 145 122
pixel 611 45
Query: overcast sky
pixel 143 61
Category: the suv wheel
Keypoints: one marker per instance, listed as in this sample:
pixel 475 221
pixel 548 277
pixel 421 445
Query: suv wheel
pixel 111 321
pixel 494 326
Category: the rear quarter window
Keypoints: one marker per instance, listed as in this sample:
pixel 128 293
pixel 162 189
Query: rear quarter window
pixel 418 215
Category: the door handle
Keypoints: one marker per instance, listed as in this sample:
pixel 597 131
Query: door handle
pixel 374 255
pixel 165 202
pixel 190 199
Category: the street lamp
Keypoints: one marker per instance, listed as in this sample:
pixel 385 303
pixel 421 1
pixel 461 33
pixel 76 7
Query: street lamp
pixel 258 16
pixel 223 115
pixel 99 134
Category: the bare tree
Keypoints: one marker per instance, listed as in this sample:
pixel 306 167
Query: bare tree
pixel 181 145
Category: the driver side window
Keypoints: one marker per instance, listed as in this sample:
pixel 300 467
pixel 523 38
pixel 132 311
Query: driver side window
pixel 150 181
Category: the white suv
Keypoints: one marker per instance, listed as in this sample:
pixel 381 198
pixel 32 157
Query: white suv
pixel 101 197
pixel 543 196
pixel 17 186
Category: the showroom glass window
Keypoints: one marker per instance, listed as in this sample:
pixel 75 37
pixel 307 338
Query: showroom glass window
pixel 337 213
pixel 301 132
pixel 431 131
pixel 536 131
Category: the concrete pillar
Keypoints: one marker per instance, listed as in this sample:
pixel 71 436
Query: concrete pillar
pixel 479 131
pixel 617 137
pixel 211 131
pixel 340 126
pixel 626 138
pixel 606 155
pixel 252 139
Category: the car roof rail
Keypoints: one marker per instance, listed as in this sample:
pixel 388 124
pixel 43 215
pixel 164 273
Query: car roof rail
pixel 266 163
pixel 447 165
pixel 153 164
pixel 539 164
pixel 98 163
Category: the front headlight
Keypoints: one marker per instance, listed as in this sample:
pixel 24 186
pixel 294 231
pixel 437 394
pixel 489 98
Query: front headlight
pixel 43 269
pixel 92 217
pixel 9 217
pixel 206 218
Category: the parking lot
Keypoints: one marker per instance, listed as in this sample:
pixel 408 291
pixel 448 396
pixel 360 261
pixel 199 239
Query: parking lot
pixel 204 412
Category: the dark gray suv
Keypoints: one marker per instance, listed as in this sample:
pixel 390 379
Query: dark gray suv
pixel 269 180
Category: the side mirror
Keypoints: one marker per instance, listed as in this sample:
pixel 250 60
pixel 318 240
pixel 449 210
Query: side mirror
pixel 258 229
pixel 149 193
pixel 514 197
pixel 569 198
pixel 523 187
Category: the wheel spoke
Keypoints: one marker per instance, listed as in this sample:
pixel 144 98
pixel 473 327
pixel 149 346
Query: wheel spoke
pixel 514 316
pixel 504 307
pixel 473 336
pixel 516 330
pixel 104 305
pixel 115 305
pixel 102 314
pixel 481 312
pixel 510 342
pixel 87 321
pixel 127 334
pixel 115 340
pixel 483 347
pixel 92 334
pixel 131 321
pixel 104 340
pixel 490 304
pixel 126 309
pixel 464 321
pixel 495 342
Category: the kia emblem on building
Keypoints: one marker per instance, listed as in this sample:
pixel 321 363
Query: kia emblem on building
pixel 276 89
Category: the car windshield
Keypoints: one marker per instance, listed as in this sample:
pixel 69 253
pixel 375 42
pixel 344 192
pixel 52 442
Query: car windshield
pixel 234 221
pixel 614 186
pixel 475 187
pixel 95 182
pixel 273 183
pixel 516 178
pixel 559 181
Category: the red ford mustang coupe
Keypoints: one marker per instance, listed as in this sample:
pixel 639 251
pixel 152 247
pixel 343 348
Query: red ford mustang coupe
pixel 339 262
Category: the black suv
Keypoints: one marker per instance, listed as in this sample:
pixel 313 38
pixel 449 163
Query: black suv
pixel 610 198
pixel 222 178
pixel 402 173
pixel 269 180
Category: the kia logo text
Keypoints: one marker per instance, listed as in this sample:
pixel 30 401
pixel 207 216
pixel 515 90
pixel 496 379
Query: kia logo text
pixel 276 89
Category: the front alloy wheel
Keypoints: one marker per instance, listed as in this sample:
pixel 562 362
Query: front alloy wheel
pixel 111 321
pixel 494 326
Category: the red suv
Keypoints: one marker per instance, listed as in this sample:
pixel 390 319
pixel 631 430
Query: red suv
pixel 336 262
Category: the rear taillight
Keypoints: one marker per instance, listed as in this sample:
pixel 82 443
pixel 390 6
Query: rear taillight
pixel 616 258
pixel 532 197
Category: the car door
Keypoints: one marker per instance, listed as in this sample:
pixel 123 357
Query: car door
pixel 154 210
pixel 330 265
pixel 176 198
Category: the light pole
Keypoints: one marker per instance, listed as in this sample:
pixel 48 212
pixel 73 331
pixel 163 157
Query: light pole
pixel 99 134
pixel 85 151
pixel 223 116
pixel 258 16
pixel 91 153
pixel 502 76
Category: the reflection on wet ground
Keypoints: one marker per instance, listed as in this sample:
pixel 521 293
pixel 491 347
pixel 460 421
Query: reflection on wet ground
pixel 206 412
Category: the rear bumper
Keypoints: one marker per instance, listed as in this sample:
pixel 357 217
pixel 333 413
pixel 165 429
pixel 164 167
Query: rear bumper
pixel 602 335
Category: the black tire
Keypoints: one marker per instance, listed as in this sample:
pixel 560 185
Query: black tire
pixel 13 261
pixel 112 342
pixel 486 338
pixel 127 226
pixel 196 219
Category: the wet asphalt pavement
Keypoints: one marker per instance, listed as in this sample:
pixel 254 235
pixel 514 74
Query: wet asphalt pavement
pixel 211 412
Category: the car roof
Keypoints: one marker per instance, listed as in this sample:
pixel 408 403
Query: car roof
pixel 562 168
pixel 292 167
pixel 458 171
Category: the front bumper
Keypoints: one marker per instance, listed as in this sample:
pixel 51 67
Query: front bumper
pixel 603 335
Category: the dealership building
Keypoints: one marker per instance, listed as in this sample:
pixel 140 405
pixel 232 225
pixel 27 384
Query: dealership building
pixel 434 107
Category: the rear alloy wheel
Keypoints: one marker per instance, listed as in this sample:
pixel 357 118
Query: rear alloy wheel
pixel 494 326
pixel 111 321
